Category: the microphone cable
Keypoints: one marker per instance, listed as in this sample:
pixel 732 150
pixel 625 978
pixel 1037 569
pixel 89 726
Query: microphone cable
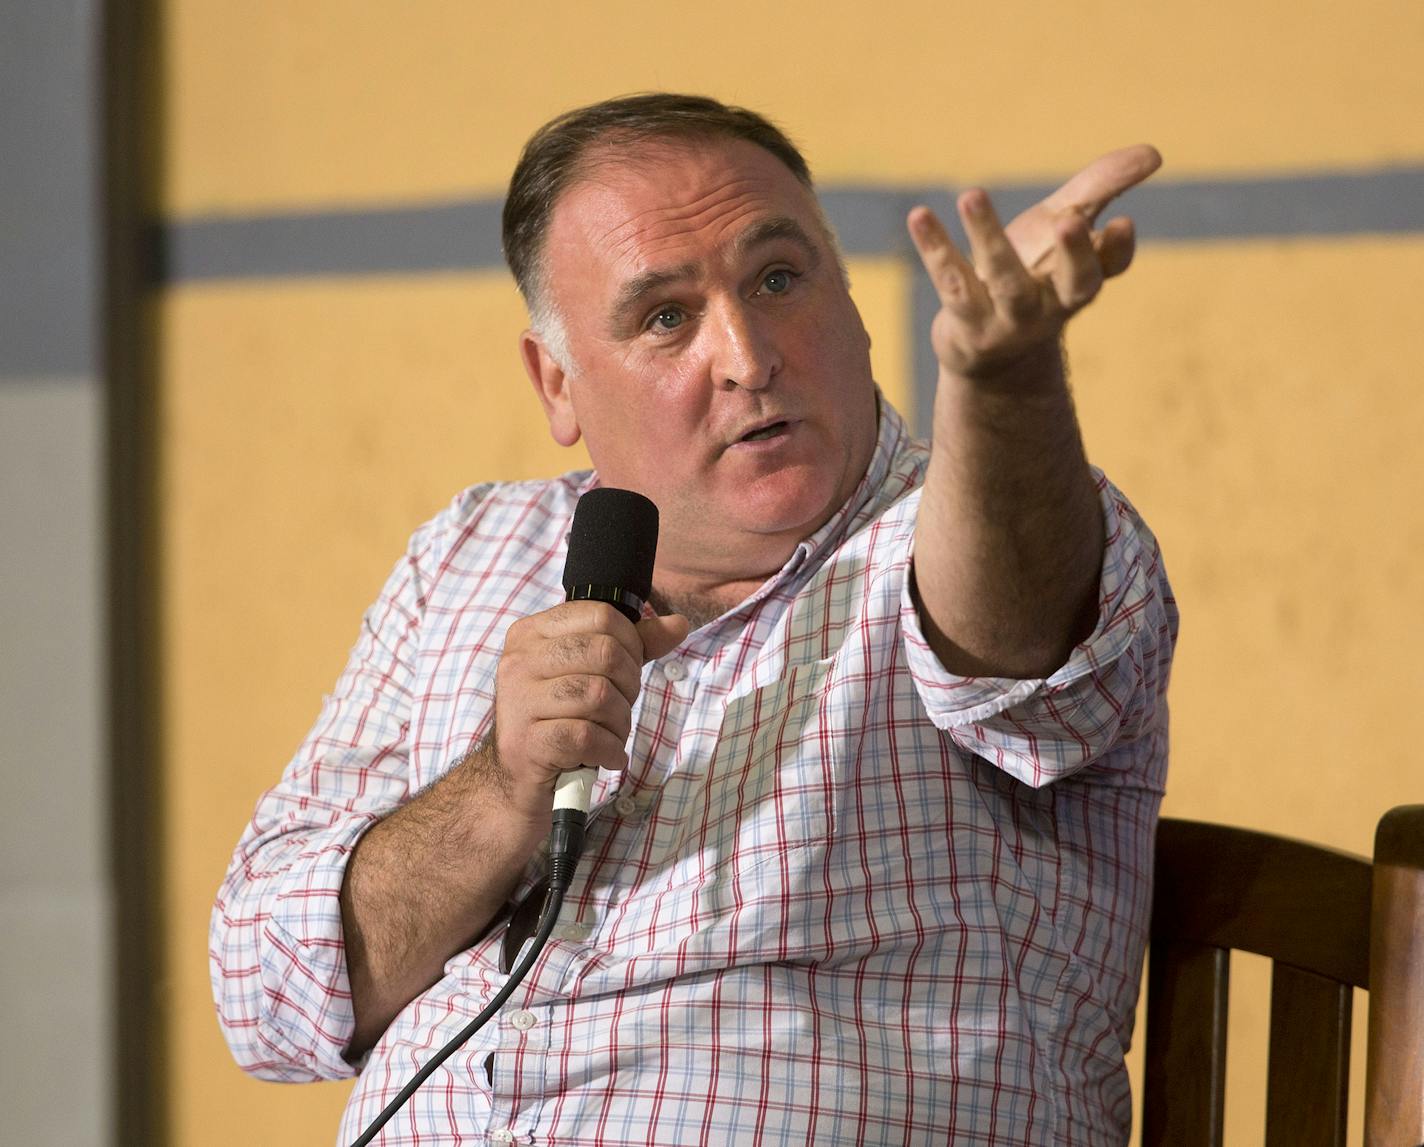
pixel 565 847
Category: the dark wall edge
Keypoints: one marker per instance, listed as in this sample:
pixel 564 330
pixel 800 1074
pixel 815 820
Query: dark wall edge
pixel 131 125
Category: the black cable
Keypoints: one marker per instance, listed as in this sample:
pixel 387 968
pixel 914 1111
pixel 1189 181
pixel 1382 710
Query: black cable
pixel 565 847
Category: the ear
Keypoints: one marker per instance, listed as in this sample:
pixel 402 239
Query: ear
pixel 551 384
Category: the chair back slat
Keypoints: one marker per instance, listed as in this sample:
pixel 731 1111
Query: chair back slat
pixel 1308 1078
pixel 1185 1072
pixel 1394 1074
pixel 1329 921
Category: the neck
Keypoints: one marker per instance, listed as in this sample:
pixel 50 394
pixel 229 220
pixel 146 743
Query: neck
pixel 698 610
pixel 702 583
pixel 701 599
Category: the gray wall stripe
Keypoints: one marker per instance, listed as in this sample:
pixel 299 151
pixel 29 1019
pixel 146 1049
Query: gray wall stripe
pixel 1388 201
pixel 464 235
pixel 439 237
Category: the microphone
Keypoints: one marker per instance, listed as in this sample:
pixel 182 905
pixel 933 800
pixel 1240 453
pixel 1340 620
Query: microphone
pixel 612 545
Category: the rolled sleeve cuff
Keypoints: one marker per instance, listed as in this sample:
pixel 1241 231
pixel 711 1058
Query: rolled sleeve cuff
pixel 305 985
pixel 1040 729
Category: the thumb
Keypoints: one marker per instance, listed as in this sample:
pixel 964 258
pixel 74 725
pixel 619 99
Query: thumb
pixel 662 635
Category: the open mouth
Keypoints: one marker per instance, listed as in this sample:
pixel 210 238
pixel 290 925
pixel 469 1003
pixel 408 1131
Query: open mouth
pixel 762 433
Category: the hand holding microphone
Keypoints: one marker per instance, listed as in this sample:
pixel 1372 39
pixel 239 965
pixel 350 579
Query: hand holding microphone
pixel 569 676
pixel 564 694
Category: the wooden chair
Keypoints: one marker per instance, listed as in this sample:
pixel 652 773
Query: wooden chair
pixel 1330 922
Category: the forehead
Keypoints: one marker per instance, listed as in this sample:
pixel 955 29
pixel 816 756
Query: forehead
pixel 671 201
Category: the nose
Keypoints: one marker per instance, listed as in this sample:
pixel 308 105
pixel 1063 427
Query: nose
pixel 743 352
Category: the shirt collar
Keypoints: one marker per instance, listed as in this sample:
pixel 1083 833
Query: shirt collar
pixel 865 502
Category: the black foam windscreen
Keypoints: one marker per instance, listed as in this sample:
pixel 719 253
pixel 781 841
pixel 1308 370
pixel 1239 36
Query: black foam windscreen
pixel 613 542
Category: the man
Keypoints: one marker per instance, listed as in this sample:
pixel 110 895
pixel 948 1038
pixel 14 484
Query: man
pixel 870 857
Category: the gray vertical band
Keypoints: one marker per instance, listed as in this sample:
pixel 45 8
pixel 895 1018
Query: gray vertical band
pixel 56 895
pixel 49 238
pixel 924 369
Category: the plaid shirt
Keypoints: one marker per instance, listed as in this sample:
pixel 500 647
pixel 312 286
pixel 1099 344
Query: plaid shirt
pixel 839 896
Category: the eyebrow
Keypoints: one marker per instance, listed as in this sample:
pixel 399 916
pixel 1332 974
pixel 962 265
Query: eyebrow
pixel 632 294
pixel 639 287
pixel 771 230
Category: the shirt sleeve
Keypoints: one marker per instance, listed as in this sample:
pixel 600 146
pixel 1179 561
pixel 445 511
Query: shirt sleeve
pixel 1108 696
pixel 276 957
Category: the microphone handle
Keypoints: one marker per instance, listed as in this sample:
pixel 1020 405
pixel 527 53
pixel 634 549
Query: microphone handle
pixel 574 789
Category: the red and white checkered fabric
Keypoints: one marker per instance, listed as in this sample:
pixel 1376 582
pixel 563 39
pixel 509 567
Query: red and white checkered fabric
pixel 840 896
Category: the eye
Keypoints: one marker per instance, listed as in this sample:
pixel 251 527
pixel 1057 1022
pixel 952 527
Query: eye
pixel 777 282
pixel 665 319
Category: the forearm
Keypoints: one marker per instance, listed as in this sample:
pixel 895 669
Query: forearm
pixel 424 882
pixel 1009 539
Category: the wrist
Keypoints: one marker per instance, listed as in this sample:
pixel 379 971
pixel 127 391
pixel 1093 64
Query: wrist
pixel 1038 371
pixel 524 808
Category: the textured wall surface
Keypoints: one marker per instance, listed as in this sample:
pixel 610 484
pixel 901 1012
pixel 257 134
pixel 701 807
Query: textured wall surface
pixel 1251 383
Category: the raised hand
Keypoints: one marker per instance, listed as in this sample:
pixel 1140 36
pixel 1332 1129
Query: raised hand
pixel 1008 301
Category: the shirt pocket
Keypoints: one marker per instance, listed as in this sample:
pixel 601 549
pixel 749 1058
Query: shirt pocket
pixel 772 776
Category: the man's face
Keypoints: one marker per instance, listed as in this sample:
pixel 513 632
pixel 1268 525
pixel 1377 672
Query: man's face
pixel 717 362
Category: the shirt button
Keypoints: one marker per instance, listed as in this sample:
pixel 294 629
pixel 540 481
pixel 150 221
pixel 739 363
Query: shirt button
pixel 502 1136
pixel 523 1021
pixel 577 932
pixel 674 670
pixel 625 806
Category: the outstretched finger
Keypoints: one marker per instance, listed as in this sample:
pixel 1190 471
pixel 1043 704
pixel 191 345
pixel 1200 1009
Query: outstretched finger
pixel 1076 274
pixel 1103 180
pixel 951 273
pixel 1009 285
pixel 1116 243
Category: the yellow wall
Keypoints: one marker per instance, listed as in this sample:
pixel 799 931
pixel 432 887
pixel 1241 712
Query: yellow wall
pixel 1259 400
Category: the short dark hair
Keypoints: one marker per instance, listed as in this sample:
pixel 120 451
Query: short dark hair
pixel 554 158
